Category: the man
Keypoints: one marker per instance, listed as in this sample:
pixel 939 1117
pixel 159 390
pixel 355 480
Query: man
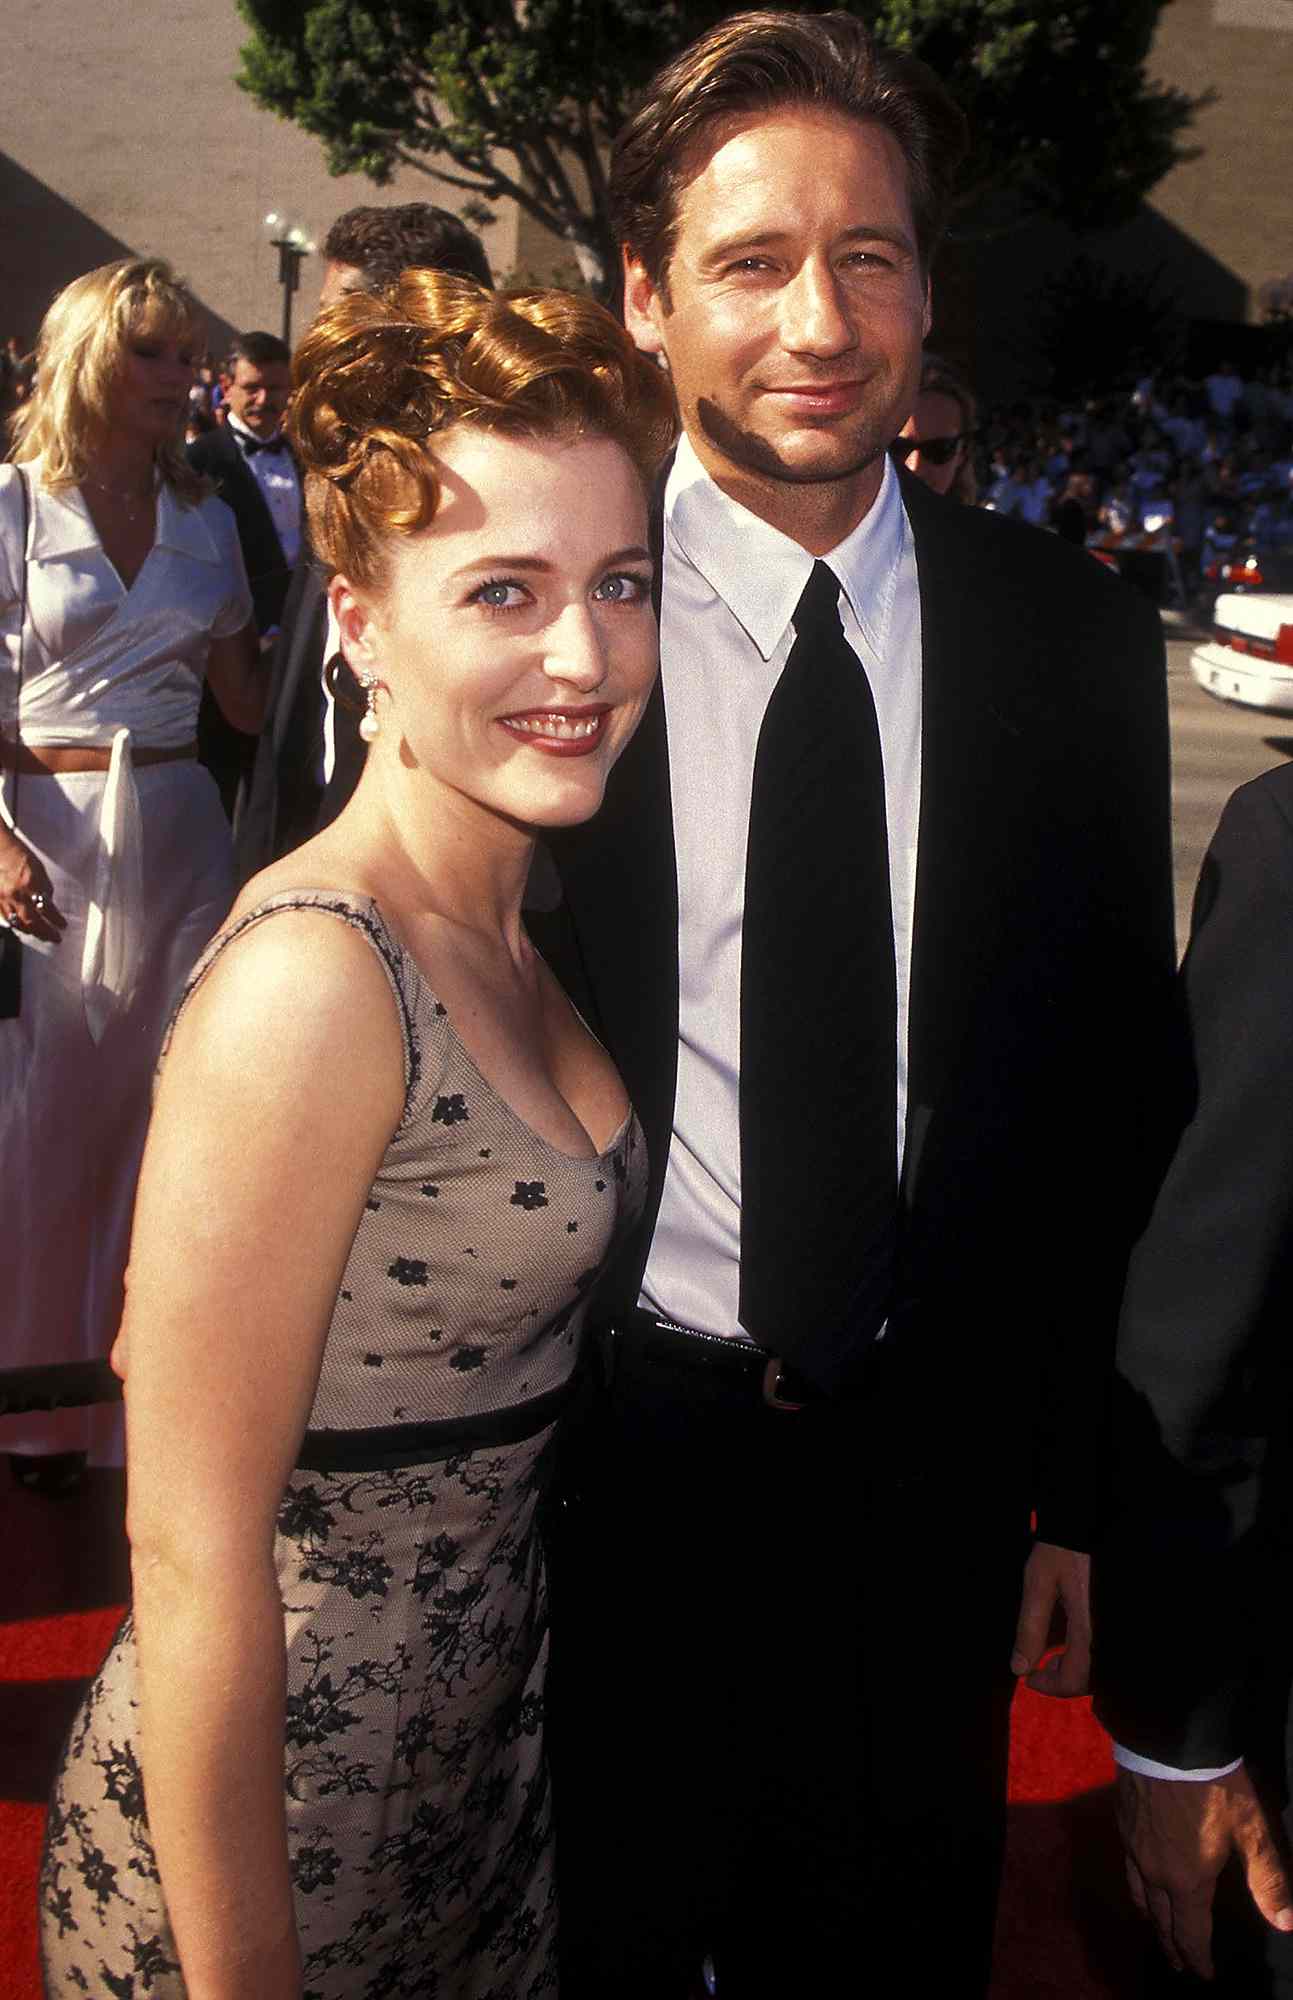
pixel 1195 1661
pixel 874 920
pixel 310 753
pixel 256 475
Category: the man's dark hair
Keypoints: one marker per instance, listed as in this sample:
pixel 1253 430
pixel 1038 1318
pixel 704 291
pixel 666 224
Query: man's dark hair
pixel 411 236
pixel 260 349
pixel 770 61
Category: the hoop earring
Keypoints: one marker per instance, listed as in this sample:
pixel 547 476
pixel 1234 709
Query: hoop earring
pixel 370 723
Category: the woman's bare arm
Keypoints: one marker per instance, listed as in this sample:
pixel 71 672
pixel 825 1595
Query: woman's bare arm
pixel 262 1151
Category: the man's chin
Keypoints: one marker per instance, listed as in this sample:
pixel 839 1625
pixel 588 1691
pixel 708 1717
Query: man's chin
pixel 812 458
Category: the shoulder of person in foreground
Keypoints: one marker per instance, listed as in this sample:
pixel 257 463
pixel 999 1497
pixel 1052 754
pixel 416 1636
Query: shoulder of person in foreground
pixel 1186 1580
pixel 282 1087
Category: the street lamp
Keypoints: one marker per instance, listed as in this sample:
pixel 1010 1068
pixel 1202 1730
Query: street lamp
pixel 292 244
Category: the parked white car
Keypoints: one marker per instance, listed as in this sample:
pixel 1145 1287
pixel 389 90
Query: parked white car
pixel 1249 658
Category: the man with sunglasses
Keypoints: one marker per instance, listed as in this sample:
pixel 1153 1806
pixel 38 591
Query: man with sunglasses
pixel 935 441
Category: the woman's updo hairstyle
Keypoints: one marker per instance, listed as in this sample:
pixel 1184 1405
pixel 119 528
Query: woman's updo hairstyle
pixel 379 374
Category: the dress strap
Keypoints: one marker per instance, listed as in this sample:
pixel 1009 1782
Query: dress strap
pixel 364 916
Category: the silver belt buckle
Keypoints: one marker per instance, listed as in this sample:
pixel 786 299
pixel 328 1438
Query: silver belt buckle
pixel 772 1386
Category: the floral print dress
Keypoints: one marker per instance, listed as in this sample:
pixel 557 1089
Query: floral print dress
pixel 410 1567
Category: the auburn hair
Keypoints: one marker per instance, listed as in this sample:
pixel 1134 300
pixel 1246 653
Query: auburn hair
pixel 380 374
pixel 770 61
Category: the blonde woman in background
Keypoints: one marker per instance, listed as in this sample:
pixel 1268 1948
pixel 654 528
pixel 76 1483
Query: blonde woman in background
pixel 114 858
pixel 386 1164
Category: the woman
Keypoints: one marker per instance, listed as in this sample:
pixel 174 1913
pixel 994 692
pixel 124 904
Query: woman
pixel 386 1163
pixel 115 865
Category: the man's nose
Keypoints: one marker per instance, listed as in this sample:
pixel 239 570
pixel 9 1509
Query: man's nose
pixel 815 316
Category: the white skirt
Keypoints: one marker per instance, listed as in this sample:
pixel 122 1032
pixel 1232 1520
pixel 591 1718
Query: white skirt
pixel 73 1112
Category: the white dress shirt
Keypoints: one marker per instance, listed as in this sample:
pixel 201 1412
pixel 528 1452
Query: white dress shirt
pixel 275 474
pixel 729 590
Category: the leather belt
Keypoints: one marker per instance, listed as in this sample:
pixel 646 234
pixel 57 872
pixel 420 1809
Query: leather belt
pixel 52 760
pixel 649 1343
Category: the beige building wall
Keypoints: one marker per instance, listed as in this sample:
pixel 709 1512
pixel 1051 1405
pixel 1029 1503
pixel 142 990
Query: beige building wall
pixel 1236 199
pixel 124 132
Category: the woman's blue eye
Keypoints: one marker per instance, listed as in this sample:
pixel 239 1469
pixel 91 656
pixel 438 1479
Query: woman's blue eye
pixel 622 588
pixel 499 595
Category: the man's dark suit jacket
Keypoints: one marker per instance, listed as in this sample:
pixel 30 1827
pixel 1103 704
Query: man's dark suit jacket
pixel 1194 1659
pixel 226 751
pixel 286 801
pixel 1041 970
pixel 219 455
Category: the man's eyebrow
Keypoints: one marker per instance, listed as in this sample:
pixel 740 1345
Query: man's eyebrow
pixel 769 239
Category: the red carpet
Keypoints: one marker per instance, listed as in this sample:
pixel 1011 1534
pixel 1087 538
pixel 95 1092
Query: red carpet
pixel 1065 1929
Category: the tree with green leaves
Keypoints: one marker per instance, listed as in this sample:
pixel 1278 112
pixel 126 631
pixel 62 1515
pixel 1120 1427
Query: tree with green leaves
pixel 520 98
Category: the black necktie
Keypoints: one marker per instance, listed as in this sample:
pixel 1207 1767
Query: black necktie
pixel 251 445
pixel 818 1088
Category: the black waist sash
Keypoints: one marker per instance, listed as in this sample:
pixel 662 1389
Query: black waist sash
pixel 389 1446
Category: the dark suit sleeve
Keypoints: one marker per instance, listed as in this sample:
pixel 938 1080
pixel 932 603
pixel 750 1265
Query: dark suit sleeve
pixel 1193 1573
pixel 1118 1090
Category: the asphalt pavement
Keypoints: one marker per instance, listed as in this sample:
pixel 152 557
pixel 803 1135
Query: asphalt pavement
pixel 1215 748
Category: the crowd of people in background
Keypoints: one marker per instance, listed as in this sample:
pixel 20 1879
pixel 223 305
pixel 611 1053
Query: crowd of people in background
pixel 1201 466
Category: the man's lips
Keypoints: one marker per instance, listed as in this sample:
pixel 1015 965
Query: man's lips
pixel 819 398
pixel 560 732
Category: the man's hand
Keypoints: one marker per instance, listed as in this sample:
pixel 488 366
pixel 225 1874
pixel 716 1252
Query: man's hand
pixel 1178 1835
pixel 1054 1576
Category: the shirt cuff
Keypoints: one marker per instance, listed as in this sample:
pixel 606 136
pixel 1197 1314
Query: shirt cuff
pixel 1147 1768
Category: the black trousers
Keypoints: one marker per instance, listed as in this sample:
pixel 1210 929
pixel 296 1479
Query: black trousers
pixel 779 1696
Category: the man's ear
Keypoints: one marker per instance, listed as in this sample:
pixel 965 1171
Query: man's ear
pixel 356 626
pixel 642 308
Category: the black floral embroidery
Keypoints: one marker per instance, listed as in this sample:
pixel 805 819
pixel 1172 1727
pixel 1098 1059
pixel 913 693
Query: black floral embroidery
pixel 430 1189
pixel 450 1110
pixel 408 1271
pixel 122 1782
pixel 507 1284
pixel 303 1516
pixel 530 1194
pixel 374 1360
pixel 465 1358
pixel 359 1572
pixel 315 1864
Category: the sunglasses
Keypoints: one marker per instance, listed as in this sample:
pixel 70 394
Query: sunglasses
pixel 939 451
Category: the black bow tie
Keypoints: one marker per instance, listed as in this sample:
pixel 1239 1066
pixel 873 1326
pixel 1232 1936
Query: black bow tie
pixel 251 445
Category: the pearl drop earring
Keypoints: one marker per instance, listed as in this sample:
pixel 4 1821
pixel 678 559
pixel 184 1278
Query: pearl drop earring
pixel 370 722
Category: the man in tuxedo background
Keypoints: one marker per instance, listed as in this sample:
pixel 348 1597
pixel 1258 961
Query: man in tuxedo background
pixel 309 754
pixel 1195 1638
pixel 876 920
pixel 256 475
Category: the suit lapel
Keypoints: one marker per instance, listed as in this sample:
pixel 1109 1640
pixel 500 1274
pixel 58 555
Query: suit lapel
pixel 970 740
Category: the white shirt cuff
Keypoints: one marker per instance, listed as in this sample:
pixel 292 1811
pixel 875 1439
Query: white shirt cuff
pixel 1149 1769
